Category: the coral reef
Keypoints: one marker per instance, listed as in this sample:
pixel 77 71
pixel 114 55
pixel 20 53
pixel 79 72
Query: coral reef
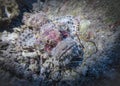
pixel 62 47
pixel 44 46
pixel 47 48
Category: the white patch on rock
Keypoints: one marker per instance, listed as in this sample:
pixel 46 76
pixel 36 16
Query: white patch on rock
pixel 29 54
pixel 9 37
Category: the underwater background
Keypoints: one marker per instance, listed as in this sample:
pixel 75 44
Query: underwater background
pixel 59 43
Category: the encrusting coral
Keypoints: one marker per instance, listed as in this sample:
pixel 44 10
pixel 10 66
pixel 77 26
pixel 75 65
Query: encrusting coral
pixel 45 46
pixel 35 20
